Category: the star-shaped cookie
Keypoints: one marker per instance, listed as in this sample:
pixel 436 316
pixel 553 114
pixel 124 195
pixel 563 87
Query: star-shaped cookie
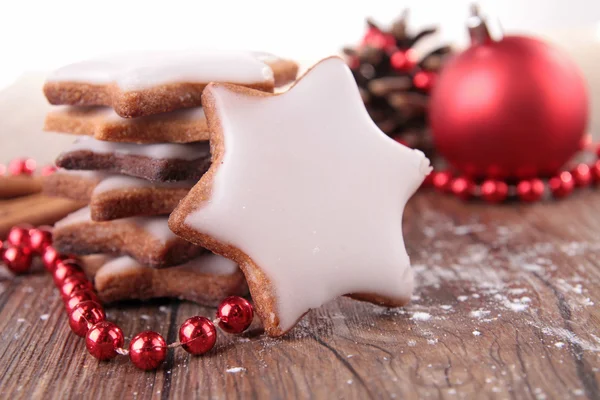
pixel 306 194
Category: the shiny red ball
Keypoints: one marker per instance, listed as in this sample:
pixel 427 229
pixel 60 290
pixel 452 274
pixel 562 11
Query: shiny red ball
pixel 442 181
pixel 197 335
pixel 40 238
pixel 494 191
pixel 47 170
pixel 19 235
pixel 530 190
pixel 21 166
pixel 50 256
pixel 17 259
pixel 561 185
pixel 103 339
pixel 516 105
pixel 462 188
pixel 147 350
pixel 235 314
pixel 65 269
pixel 595 170
pixel 84 315
pixel 73 284
pixel 582 175
pixel 79 297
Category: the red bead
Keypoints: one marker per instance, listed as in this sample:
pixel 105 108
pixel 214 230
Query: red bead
pixel 19 235
pixel 40 238
pixel 462 188
pixel 48 170
pixel 530 190
pixel 582 175
pixel 561 185
pixel 21 166
pixel 74 284
pixel 424 80
pixel 442 181
pixel 65 269
pixel 79 297
pixel 49 258
pixel 17 259
pixel 494 191
pixel 84 315
pixel 403 60
pixel 595 171
pixel 235 314
pixel 147 350
pixel 197 335
pixel 103 339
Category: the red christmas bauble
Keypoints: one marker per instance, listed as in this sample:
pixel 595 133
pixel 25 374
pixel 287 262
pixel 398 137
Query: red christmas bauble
pixel 516 107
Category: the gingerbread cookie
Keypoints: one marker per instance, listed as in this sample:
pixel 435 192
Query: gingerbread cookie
pixel 74 185
pixel 117 196
pixel 147 239
pixel 182 126
pixel 306 194
pixel 20 185
pixel 206 280
pixel 154 162
pixel 146 83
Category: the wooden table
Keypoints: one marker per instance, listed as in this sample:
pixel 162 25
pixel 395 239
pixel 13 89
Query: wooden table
pixel 506 308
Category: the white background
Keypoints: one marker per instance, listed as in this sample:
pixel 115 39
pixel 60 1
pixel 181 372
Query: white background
pixel 36 36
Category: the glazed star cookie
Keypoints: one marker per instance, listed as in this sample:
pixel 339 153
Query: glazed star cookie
pixel 102 123
pixel 154 162
pixel 113 196
pixel 306 194
pixel 206 280
pixel 147 239
pixel 146 83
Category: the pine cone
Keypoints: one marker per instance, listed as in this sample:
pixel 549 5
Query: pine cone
pixel 393 84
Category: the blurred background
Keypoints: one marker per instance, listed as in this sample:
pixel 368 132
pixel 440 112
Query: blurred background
pixel 38 36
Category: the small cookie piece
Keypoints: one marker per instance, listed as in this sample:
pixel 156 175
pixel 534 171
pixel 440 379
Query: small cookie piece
pixel 183 126
pixel 146 83
pixel 306 194
pixel 206 280
pixel 154 162
pixel 147 239
pixel 117 196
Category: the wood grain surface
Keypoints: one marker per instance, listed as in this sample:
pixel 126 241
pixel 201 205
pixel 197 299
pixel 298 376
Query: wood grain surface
pixel 506 307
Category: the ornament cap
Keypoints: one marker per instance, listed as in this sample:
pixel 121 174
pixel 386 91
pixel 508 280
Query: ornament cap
pixel 478 29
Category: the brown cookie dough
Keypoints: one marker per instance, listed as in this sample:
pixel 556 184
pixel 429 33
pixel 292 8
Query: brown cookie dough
pixel 155 162
pixel 147 239
pixel 206 280
pixel 102 123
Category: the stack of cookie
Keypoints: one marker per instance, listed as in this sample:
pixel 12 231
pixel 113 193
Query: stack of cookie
pixel 143 145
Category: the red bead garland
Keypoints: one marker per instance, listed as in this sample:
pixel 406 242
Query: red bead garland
pixel 197 335
pixel 235 314
pixel 84 315
pixel 104 340
pixel 19 235
pixel 147 350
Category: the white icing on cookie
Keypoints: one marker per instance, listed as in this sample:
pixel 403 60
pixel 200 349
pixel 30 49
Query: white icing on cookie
pixel 211 264
pixel 117 182
pixel 142 70
pixel 157 227
pixel 82 174
pixel 312 191
pixel 188 151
